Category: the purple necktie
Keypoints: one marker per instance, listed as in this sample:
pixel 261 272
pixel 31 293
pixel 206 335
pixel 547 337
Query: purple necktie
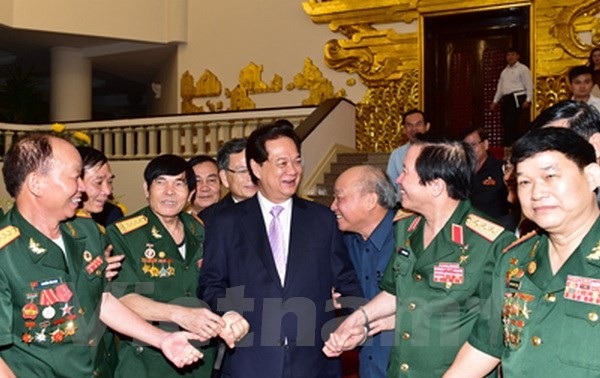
pixel 276 241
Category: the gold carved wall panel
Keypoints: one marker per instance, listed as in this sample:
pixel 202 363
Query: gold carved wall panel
pixel 390 63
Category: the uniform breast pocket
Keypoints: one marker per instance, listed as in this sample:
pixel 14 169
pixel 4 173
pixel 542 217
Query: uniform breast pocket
pixel 580 335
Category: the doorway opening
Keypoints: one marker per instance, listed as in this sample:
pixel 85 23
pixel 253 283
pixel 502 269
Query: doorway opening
pixel 464 55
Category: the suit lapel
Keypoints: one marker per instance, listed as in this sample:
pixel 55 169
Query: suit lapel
pixel 254 229
pixel 296 239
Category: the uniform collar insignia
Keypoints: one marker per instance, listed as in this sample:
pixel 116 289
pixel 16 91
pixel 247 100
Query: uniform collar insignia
pixel 155 233
pixel 35 247
pixel 595 254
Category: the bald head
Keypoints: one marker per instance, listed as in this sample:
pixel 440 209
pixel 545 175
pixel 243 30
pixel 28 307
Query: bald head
pixel 362 196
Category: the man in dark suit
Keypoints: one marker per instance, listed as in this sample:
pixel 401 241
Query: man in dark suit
pixel 234 175
pixel 277 267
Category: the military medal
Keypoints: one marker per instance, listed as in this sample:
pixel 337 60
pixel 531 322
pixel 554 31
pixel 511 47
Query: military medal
pixel 150 253
pixel 66 309
pixel 27 338
pixel 94 265
pixel 40 337
pixel 57 336
pixel 87 256
pixel 48 312
pixel 30 311
pixel 531 267
pixel 582 289
pixel 448 273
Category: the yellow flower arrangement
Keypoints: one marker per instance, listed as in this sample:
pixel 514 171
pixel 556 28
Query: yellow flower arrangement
pixel 58 127
pixel 78 138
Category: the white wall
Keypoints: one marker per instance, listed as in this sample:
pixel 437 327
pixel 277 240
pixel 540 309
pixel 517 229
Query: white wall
pixel 225 36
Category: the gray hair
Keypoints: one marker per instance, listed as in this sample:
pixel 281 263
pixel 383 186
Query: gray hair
pixel 376 181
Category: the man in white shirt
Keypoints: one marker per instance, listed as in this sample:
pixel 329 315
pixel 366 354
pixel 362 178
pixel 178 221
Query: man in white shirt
pixel 581 83
pixel 515 90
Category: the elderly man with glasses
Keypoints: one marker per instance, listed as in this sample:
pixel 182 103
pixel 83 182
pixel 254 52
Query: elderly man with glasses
pixel 234 175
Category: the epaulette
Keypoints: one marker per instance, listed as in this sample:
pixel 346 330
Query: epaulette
pixel 8 234
pixel 402 214
pixel 128 225
pixel 197 218
pixel 483 227
pixel 101 228
pixel 80 213
pixel 520 240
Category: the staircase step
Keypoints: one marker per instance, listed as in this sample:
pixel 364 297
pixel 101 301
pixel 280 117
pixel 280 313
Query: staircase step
pixel 352 158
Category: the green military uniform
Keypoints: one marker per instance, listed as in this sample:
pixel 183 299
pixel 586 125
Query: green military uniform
pixel 48 304
pixel 153 267
pixel 84 224
pixel 545 325
pixel 438 289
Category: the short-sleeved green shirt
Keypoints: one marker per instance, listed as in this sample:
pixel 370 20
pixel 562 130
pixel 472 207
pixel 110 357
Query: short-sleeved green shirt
pixel 48 303
pixel 439 291
pixel 544 324
pixel 154 267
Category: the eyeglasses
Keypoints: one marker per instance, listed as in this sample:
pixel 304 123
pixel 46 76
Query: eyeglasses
pixel 239 172
pixel 475 144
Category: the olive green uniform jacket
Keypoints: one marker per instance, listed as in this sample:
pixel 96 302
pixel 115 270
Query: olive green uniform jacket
pixel 49 304
pixel 153 267
pixel 544 324
pixel 439 289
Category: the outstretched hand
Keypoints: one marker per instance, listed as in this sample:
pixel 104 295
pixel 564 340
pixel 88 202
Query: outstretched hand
pixel 114 263
pixel 177 348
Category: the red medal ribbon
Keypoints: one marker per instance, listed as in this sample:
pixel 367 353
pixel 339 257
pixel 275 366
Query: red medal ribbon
pixel 48 297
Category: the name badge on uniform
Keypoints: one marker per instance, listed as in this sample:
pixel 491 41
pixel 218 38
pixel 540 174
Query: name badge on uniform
pixel 448 273
pixel 583 289
pixel 403 252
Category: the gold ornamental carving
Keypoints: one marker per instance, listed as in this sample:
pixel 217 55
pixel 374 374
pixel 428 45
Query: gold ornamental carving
pixel 388 61
pixel 311 79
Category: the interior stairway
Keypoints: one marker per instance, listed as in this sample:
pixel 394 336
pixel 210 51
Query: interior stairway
pixel 344 161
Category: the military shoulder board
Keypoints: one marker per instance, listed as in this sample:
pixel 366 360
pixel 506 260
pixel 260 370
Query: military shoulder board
pixel 402 214
pixel 128 225
pixel 483 227
pixel 520 240
pixel 8 234
pixel 82 214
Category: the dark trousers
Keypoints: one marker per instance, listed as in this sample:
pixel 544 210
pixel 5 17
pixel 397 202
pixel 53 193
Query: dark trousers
pixel 512 118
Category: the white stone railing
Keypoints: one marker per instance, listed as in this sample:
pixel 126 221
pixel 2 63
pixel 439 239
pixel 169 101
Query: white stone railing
pixel 184 135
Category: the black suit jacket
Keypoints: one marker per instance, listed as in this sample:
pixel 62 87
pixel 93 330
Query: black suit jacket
pixel 208 215
pixel 286 322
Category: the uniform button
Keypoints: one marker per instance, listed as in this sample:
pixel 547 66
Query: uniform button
pixel 404 367
pixel 536 341
pixel 418 277
pixel 550 297
pixel 91 342
pixel 367 278
pixel 96 373
pixel 411 306
pixel 405 335
pixel 187 267
pixel 139 349
pixel 188 293
pixel 370 357
pixel 593 316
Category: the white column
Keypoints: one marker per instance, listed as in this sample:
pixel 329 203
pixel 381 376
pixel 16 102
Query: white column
pixel 70 85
